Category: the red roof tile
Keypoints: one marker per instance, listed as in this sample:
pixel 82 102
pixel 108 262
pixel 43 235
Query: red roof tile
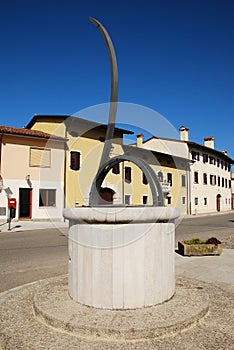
pixel 29 133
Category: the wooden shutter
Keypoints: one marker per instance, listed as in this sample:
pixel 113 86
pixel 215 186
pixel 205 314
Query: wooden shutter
pixel 75 160
pixel 40 157
pixel 128 174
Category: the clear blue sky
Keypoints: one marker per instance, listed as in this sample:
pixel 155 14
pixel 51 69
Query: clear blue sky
pixel 174 56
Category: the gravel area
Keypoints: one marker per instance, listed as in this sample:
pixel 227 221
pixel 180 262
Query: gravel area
pixel 21 329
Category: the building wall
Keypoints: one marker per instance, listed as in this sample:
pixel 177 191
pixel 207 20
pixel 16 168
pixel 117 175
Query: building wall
pixel 78 182
pixel 206 194
pixel 18 174
pixel 232 189
pixel 89 142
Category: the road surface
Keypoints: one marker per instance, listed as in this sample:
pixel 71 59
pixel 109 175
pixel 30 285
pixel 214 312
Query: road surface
pixel 33 255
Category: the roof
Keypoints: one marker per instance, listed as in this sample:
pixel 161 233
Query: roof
pixel 208 149
pixel 139 151
pixel 29 133
pixel 60 118
pixel 194 144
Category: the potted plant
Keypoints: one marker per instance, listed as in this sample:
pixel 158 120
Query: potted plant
pixel 198 247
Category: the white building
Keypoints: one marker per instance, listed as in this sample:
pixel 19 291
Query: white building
pixel 32 173
pixel 232 181
pixel 209 173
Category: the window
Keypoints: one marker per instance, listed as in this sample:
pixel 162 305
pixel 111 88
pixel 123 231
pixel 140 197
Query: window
pixel 169 178
pixel 205 201
pixel 222 182
pixel 128 174
pixel 75 160
pixel 221 164
pixel 195 155
pixel 183 200
pixel 205 158
pixel 169 200
pixel 218 180
pixel 116 169
pixel 196 200
pixel 212 160
pixel 226 183
pixel 40 157
pixel 144 179
pixel 230 184
pixel 218 163
pixel 160 176
pixel 127 199
pixel 213 180
pixel 195 177
pixel 144 199
pixel 47 198
pixel 205 179
pixel 183 180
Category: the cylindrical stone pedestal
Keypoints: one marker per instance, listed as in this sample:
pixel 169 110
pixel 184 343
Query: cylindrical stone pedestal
pixel 121 257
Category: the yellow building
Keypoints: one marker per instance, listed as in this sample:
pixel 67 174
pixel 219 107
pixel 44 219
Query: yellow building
pixel 125 183
pixel 83 154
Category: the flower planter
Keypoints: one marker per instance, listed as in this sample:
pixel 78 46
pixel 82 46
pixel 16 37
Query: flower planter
pixel 199 249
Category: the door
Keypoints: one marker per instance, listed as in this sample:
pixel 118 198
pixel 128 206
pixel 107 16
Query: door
pixel 106 196
pixel 218 202
pixel 25 203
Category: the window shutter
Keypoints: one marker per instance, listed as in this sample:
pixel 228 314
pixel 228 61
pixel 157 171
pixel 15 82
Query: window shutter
pixel 128 177
pixel 116 169
pixel 144 180
pixel 40 157
pixel 75 160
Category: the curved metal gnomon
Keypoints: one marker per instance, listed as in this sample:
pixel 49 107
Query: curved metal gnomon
pixel 106 162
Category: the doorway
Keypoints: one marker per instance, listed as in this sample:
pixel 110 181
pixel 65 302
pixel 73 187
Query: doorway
pixel 218 202
pixel 106 196
pixel 25 203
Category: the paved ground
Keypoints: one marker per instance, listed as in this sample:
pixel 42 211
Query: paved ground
pixel 35 250
pixel 218 225
pixel 28 255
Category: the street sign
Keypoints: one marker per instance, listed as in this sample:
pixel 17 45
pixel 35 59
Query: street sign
pixel 165 187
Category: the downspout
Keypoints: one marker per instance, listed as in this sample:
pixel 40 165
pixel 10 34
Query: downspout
pixel 65 171
pixel 1 155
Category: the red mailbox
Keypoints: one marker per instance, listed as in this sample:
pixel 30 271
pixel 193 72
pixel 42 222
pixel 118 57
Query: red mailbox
pixel 12 203
pixel 12 207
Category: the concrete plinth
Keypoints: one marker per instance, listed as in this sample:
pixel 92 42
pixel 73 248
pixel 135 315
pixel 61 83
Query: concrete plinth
pixel 42 316
pixel 121 257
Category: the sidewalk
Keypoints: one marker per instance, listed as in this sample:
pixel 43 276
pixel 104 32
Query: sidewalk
pixel 26 225
pixel 201 215
pixel 218 270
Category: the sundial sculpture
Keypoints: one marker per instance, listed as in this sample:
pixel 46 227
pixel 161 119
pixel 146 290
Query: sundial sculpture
pixel 107 163
pixel 120 257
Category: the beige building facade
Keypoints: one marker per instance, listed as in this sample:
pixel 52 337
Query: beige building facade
pixel 31 168
pixel 208 172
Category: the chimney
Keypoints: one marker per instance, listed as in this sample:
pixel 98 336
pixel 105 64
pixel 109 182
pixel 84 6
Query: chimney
pixel 224 152
pixel 209 142
pixel 139 140
pixel 184 133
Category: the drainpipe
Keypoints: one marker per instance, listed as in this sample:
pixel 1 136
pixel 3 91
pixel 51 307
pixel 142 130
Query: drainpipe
pixel 1 179
pixel 123 183
pixel 65 170
pixel 1 154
